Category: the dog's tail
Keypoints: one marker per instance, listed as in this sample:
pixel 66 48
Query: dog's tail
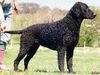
pixel 14 32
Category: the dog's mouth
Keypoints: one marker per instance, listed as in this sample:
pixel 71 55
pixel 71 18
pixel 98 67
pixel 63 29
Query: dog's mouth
pixel 93 16
pixel 90 16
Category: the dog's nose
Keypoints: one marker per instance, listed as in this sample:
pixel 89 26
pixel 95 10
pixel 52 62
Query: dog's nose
pixel 94 14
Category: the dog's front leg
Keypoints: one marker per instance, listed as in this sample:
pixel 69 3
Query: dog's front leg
pixel 69 59
pixel 61 55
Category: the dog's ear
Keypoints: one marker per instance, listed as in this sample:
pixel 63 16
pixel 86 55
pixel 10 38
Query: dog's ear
pixel 76 10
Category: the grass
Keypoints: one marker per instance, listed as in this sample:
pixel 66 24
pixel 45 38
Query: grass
pixel 86 61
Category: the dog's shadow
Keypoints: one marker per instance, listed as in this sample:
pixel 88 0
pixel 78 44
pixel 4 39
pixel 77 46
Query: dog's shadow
pixel 41 70
pixel 45 71
pixel 95 73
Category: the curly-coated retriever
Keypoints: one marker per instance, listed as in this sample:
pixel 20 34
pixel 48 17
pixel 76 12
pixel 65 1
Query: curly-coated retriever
pixel 62 36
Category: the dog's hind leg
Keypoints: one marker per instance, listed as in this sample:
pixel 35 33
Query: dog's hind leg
pixel 18 59
pixel 25 45
pixel 30 54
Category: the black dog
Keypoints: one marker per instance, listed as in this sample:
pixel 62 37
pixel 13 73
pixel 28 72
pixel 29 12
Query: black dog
pixel 62 36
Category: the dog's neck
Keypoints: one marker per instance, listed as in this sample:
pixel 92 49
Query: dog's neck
pixel 74 20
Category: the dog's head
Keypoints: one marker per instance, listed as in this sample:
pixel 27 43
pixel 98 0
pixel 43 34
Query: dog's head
pixel 81 10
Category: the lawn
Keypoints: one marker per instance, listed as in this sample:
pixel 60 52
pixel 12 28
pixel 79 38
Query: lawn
pixel 86 62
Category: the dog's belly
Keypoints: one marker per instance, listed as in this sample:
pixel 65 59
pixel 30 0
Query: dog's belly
pixel 50 47
pixel 48 44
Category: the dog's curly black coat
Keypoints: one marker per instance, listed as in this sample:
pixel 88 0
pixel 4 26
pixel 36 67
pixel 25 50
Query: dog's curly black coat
pixel 62 36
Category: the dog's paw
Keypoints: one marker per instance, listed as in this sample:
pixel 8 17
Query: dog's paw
pixel 72 72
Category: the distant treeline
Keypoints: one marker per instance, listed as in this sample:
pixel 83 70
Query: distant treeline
pixel 31 7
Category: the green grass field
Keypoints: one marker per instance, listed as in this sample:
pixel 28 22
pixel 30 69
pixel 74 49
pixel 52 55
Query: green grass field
pixel 86 62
